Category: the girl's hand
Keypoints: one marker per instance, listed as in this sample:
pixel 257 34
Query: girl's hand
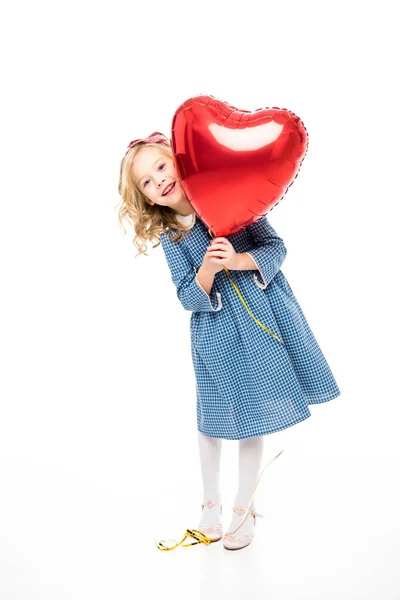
pixel 220 253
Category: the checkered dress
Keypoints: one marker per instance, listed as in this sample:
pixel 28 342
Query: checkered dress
pixel 247 383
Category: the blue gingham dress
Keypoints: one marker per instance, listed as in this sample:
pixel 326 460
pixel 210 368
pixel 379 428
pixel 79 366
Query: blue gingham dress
pixel 247 383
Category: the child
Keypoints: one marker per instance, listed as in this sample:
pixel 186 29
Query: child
pixel 248 384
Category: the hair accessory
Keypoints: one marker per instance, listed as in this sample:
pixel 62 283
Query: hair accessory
pixel 156 136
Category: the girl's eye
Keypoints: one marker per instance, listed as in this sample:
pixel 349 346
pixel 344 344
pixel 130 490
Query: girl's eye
pixel 162 165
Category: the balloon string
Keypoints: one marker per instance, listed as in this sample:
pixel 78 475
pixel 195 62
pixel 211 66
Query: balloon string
pixel 276 337
pixel 253 494
pixel 246 307
pixel 200 537
pixel 197 535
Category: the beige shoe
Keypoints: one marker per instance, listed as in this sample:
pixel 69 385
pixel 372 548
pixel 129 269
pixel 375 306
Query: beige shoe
pixel 213 532
pixel 236 541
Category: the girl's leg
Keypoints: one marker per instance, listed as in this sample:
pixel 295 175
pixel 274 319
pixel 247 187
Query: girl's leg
pixel 250 457
pixel 210 460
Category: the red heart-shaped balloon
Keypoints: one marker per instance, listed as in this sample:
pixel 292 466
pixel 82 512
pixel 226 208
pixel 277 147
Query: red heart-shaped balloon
pixel 235 165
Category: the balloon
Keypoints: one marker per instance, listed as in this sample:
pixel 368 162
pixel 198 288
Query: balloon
pixel 235 165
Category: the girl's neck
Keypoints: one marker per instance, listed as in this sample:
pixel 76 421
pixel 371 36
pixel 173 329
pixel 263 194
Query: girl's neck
pixel 184 209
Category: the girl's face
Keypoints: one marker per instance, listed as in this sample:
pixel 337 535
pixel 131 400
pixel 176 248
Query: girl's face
pixel 154 172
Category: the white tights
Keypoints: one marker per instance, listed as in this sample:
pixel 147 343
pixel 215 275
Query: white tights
pixel 250 456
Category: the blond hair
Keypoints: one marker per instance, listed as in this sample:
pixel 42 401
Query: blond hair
pixel 147 221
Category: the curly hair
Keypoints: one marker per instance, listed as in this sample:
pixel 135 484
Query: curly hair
pixel 148 221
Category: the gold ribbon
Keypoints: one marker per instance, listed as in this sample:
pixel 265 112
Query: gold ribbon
pixel 254 491
pixel 200 537
pixel 247 308
pixel 194 533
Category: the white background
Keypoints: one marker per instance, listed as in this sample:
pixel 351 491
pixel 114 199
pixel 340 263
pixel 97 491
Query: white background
pixel 98 438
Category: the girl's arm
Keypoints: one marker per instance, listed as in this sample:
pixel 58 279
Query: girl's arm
pixel 189 291
pixel 269 252
pixel 205 278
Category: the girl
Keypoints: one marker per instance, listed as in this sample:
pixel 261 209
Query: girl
pixel 248 384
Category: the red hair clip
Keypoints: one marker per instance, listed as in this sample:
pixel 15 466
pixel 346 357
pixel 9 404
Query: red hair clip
pixel 156 136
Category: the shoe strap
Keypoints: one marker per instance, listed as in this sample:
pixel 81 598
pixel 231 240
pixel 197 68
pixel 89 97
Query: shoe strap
pixel 210 503
pixel 240 510
pixel 211 528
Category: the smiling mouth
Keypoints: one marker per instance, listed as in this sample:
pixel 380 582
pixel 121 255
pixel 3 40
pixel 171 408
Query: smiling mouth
pixel 169 189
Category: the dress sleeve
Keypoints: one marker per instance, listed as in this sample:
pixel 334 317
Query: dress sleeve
pixel 191 294
pixel 269 252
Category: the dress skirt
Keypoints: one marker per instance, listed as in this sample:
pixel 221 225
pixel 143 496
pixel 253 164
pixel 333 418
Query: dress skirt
pixel 247 383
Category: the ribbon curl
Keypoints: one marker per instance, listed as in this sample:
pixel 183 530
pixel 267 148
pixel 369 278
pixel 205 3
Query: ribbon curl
pixel 247 308
pixel 200 537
